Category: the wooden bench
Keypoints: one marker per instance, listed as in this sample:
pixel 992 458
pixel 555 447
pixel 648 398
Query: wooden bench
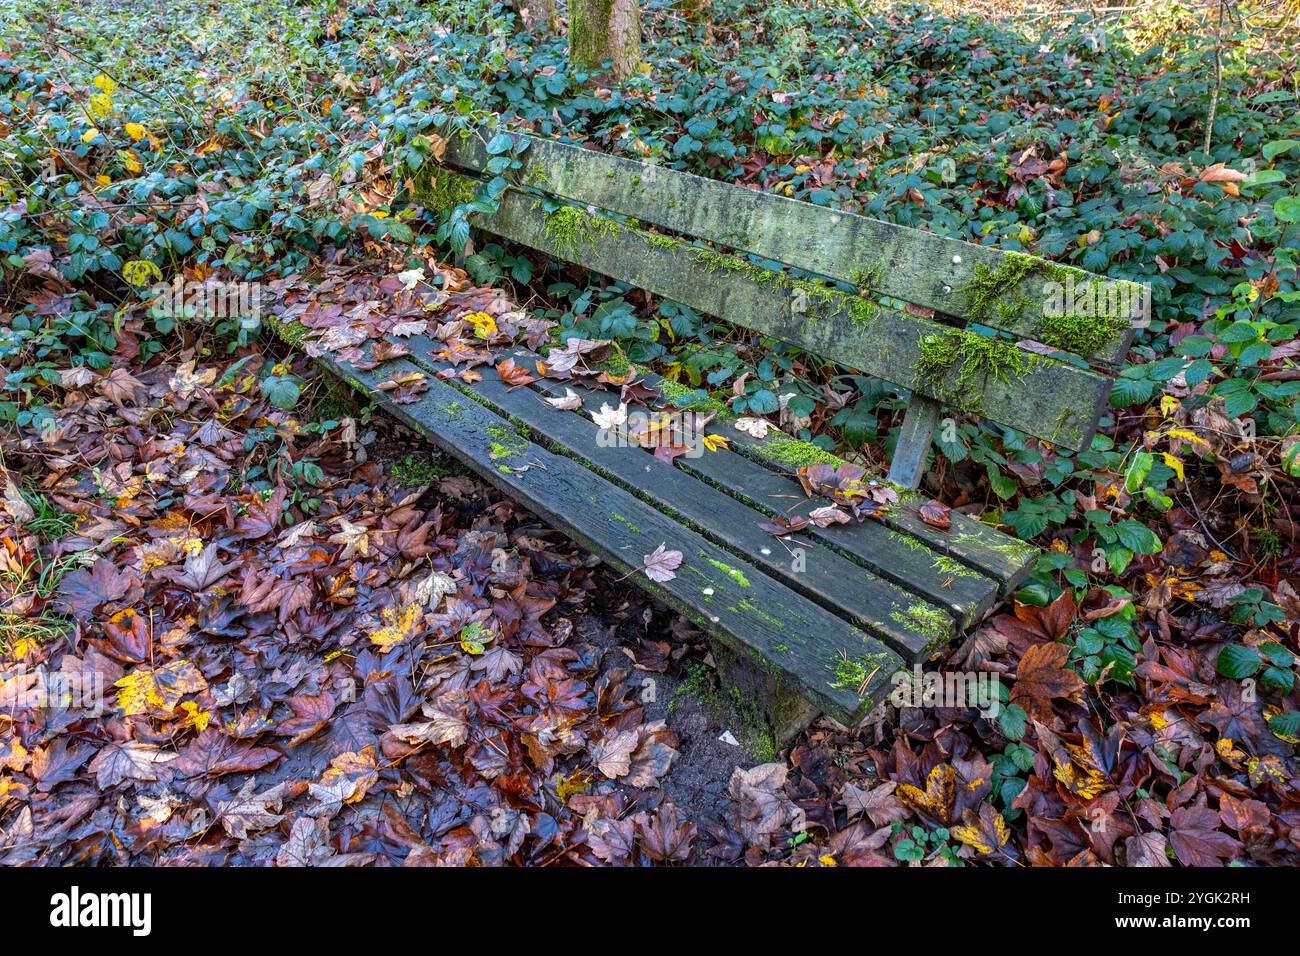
pixel 821 620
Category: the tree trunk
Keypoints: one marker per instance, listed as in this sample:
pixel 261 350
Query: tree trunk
pixel 539 16
pixel 602 30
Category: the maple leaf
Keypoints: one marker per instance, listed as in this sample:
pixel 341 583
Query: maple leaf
pixel 348 779
pixel 186 380
pixel 261 514
pixel 130 760
pixel 1147 849
pixel 213 754
pixel 82 592
pixel 936 515
pixel 1042 677
pixel 202 570
pixel 610 840
pixel 661 565
pixel 610 418
pixel 754 427
pixel 15 503
pixel 879 803
pixel 936 800
pixel 613 755
pixel 446 724
pixel 827 516
pixel 571 401
pixel 249 811
pixel 158 690
pixel 354 538
pixel 1196 838
pixel 662 837
pixel 514 375
pixel 762 807
pixel 308 843
pixel 398 624
pixel 986 833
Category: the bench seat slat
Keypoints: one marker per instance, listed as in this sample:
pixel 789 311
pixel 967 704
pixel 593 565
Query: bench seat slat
pixel 967 593
pixel 1051 400
pixel 898 261
pixel 802 641
pixel 874 604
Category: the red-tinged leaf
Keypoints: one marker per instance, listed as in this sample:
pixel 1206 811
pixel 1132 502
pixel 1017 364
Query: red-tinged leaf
pixel 1197 839
pixel 212 754
pixel 662 837
pixel 781 527
pixel 936 515
pixel 1042 677
pixel 83 592
pixel 513 374
pixel 661 565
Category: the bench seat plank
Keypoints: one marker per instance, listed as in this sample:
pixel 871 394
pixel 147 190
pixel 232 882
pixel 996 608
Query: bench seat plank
pixel 831 663
pixel 966 593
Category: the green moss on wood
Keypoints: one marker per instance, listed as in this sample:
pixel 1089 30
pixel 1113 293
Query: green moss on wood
pixel 734 573
pixel 690 399
pixel 793 453
pixel 976 359
pixel 569 228
pixel 445 190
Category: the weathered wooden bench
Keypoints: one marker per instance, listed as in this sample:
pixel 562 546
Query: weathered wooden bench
pixel 825 628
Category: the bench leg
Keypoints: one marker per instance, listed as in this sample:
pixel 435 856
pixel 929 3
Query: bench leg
pixel 908 464
pixel 784 710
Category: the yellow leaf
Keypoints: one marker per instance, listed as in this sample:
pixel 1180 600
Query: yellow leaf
pixel 105 84
pixel 1173 463
pixel 158 690
pixel 398 624
pixel 135 131
pixel 130 160
pixel 138 272
pixel 194 717
pixel 1169 405
pixel 89 134
pixel 714 442
pixel 101 104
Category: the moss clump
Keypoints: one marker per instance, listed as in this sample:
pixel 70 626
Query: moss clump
pixel 291 332
pixel 854 673
pixel 924 619
pixel 1082 334
pixel 569 227
pixel 976 358
pixel 447 190
pixel 722 262
pixel 946 565
pixel 660 241
pixel 997 291
pixel 690 399
pixel 506 443
pixel 728 570
pixel 784 450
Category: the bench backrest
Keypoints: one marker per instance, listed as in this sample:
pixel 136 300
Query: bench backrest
pixel 956 344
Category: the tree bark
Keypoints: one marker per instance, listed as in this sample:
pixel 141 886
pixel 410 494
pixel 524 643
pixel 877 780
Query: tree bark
pixel 539 16
pixel 602 30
